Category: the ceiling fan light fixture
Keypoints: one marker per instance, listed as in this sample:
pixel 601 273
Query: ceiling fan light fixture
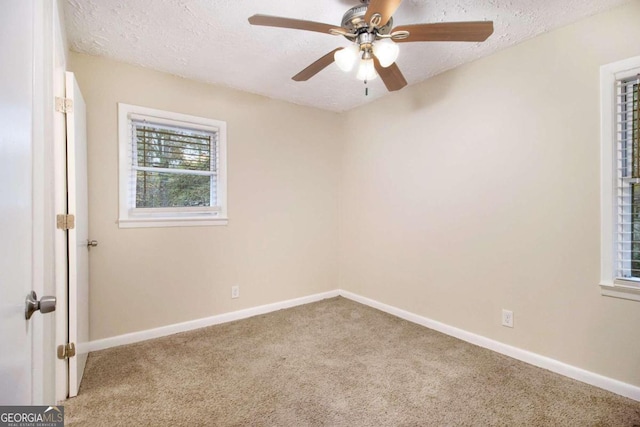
pixel 366 70
pixel 346 58
pixel 386 51
pixel 371 30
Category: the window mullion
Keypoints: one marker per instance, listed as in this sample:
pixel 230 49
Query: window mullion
pixel 174 171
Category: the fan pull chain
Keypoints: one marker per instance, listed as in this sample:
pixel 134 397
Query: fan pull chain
pixel 366 89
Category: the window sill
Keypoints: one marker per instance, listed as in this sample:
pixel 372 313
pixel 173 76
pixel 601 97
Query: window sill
pixel 171 222
pixel 620 291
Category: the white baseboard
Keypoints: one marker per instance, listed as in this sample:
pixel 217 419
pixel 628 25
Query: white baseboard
pixel 199 323
pixel 606 383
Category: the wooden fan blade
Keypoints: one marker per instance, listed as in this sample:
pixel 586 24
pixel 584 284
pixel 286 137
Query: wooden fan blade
pixel 391 76
pixel 474 31
pixel 316 67
pixel 296 24
pixel 385 8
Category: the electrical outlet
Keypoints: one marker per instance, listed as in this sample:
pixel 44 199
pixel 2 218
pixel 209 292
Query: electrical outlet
pixel 507 318
pixel 235 292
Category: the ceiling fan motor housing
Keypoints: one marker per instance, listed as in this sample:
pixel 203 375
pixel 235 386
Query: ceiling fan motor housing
pixel 353 20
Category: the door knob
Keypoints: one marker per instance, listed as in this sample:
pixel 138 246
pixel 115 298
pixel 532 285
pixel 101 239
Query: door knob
pixel 45 305
pixel 92 243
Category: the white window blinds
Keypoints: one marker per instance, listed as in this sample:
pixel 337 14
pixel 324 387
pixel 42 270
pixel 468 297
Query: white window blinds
pixel 627 215
pixel 173 167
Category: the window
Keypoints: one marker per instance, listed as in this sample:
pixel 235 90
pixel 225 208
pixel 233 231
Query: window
pixel 620 211
pixel 172 169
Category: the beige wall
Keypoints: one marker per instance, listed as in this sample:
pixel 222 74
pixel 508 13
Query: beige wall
pixel 479 190
pixel 282 193
pixel 473 192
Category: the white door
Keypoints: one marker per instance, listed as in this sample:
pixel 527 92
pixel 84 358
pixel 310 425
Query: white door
pixel 77 205
pixel 16 193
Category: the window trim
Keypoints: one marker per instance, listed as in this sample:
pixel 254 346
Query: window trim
pixel 609 75
pixel 132 217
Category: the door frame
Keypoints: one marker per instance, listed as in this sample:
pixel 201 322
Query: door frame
pixel 59 158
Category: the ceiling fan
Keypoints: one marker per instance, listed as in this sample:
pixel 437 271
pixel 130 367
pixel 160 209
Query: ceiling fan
pixel 369 27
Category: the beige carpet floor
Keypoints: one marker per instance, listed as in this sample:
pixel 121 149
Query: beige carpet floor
pixel 330 363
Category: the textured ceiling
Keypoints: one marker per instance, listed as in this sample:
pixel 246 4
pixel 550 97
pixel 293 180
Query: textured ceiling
pixel 212 41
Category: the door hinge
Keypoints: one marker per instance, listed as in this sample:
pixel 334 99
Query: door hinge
pixel 64 105
pixel 66 351
pixel 65 222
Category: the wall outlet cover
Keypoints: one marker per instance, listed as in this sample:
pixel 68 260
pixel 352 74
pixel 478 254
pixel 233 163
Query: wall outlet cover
pixel 507 318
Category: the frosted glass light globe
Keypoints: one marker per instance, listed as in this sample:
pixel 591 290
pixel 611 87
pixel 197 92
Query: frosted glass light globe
pixel 366 70
pixel 346 58
pixel 386 51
